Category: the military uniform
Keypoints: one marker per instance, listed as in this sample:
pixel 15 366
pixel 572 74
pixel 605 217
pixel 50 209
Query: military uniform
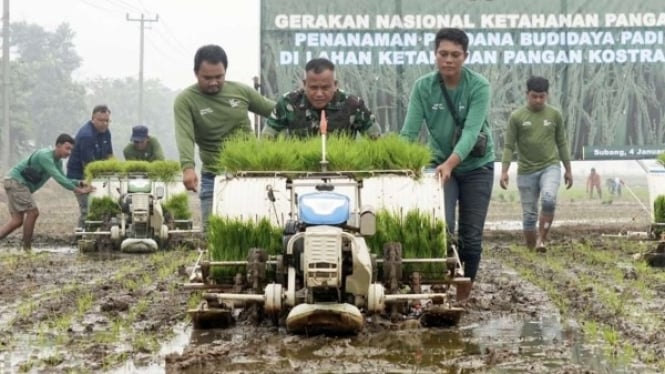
pixel 346 114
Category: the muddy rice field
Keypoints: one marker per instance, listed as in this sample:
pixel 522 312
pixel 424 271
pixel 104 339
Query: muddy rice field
pixel 585 306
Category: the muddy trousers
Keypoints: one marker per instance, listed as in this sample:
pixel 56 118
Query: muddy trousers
pixel 469 193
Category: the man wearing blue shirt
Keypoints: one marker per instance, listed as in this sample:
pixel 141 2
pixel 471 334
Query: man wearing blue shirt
pixel 93 142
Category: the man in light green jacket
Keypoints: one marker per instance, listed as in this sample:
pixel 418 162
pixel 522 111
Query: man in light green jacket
pixel 30 175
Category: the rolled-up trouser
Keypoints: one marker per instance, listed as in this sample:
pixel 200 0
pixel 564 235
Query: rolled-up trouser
pixel 83 207
pixel 542 184
pixel 205 196
pixel 471 192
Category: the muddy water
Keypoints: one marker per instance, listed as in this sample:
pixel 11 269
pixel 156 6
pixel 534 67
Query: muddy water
pixel 507 344
pixel 511 327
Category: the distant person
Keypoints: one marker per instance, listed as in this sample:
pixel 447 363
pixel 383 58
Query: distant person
pixel 143 147
pixel 465 168
pixel 93 143
pixel 208 113
pixel 299 112
pixel 30 175
pixel 538 133
pixel 593 182
pixel 616 184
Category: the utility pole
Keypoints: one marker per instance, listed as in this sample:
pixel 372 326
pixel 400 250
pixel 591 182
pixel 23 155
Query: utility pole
pixel 143 20
pixel 5 88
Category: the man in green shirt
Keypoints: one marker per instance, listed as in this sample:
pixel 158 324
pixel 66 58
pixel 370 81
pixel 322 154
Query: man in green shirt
pixel 208 113
pixel 299 112
pixel 538 132
pixel 143 147
pixel 28 176
pixel 467 176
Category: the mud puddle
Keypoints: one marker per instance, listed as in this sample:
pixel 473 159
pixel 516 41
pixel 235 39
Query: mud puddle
pixel 503 345
pixel 511 327
pixel 71 312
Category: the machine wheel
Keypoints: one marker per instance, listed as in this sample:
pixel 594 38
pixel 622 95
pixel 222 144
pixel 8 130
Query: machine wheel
pixel 280 271
pixel 115 233
pixel 375 268
pixel 273 301
pixel 164 233
pixel 375 298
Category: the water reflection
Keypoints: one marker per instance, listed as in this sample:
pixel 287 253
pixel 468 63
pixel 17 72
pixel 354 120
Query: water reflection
pixel 467 349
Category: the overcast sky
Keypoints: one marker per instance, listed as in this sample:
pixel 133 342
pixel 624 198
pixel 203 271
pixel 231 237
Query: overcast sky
pixel 109 44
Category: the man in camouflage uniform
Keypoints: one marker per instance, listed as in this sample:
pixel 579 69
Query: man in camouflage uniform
pixel 299 111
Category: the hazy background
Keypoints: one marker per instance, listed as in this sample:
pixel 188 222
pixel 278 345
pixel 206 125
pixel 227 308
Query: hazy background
pixel 109 44
pixel 70 55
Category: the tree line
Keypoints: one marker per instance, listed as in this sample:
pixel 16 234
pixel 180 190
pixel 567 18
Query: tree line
pixel 45 100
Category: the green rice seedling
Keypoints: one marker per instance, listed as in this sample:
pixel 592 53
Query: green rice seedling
pixel 27 366
pixel 591 330
pixel 398 154
pixel 135 166
pixel 144 343
pixel 661 158
pixel 611 337
pixel 164 170
pixel 309 154
pixel 659 209
pixel 236 153
pixel 140 307
pixel 343 154
pixel 130 284
pixel 26 308
pixel 114 359
pixel 421 235
pixel 84 303
pixel 102 208
pixel 54 360
pixel 230 240
pixel 177 206
pixel 194 300
pixel 61 323
pixel 100 168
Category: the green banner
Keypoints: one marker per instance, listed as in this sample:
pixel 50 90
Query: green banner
pixel 605 59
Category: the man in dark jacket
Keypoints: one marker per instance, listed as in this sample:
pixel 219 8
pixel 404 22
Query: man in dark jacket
pixel 93 142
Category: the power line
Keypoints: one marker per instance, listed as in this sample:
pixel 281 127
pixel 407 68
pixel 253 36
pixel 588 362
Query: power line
pixel 174 38
pixel 105 10
pixel 125 5
pixel 145 9
pixel 155 45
